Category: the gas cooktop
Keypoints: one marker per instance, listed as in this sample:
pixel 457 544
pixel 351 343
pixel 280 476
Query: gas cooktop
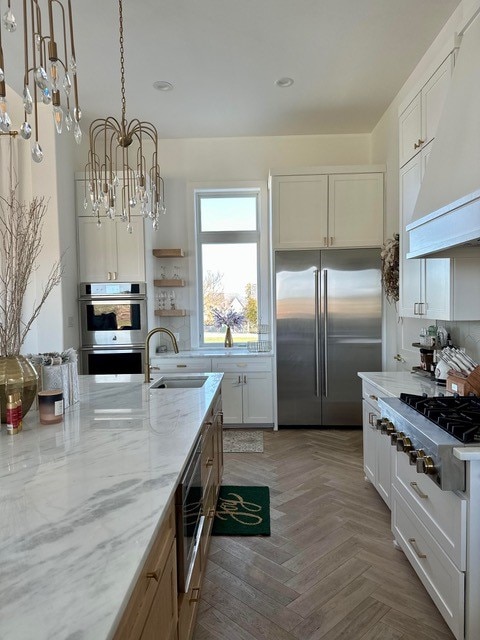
pixel 457 415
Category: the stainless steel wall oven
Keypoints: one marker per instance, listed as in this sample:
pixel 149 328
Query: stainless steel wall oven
pixel 113 321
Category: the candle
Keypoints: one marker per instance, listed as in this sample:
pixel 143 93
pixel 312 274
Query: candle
pixel 50 406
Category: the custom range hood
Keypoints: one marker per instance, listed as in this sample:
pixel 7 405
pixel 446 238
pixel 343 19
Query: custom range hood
pixel 446 219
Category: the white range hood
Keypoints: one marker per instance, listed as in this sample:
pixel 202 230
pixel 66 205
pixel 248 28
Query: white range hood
pixel 446 218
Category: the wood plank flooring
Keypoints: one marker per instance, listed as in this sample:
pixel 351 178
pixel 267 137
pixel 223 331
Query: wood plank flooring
pixel 329 570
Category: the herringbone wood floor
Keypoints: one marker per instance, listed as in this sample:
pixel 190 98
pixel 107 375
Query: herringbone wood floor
pixel 329 569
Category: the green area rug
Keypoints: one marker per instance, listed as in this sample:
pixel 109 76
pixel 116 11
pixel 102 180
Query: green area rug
pixel 242 511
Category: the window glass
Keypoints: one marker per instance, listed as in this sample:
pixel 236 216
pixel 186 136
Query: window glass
pixel 227 213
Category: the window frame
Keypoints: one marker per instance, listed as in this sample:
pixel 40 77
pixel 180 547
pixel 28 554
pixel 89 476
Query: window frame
pixel 197 238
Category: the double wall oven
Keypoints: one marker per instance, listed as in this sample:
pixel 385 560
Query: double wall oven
pixel 113 321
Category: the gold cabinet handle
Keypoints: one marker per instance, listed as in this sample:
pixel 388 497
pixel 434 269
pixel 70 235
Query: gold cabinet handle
pixel 331 241
pixel 373 397
pixel 418 144
pixel 418 491
pixel 413 544
pixel 325 243
pixel 211 513
pixel 153 574
pixel 209 462
pixel 195 597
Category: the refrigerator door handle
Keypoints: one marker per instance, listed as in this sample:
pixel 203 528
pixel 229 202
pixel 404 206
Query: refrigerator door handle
pixel 317 333
pixel 325 333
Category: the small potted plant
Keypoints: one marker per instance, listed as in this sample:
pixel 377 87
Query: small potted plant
pixel 231 319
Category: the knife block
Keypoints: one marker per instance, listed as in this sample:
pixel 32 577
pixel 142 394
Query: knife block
pixel 464 386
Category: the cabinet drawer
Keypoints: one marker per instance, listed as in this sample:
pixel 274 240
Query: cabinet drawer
pixel 180 365
pixel 443 512
pixel 241 365
pixel 443 581
pixel 371 393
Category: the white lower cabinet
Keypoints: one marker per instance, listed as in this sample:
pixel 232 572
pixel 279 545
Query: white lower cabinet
pixel 377 453
pixel 247 393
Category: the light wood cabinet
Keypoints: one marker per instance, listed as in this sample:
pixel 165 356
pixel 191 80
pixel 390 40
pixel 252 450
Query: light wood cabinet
pixel 419 120
pixel 152 609
pixel 327 210
pixel 247 390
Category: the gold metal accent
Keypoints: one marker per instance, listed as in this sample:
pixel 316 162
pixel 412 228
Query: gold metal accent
pixel 147 344
pixel 413 544
pixel 196 597
pixel 428 465
pixel 9 133
pixel 418 491
pixel 154 575
pixel 415 455
pixel 325 243
pixel 404 444
pixel 331 241
pixel 209 462
pixel 118 149
pixel 211 513
pixel 373 397
pixel 418 144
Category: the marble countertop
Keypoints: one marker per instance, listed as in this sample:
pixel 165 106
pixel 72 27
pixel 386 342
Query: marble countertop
pixel 80 502
pixel 393 383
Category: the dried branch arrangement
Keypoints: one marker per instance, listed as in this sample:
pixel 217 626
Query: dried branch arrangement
pixel 20 245
pixel 390 268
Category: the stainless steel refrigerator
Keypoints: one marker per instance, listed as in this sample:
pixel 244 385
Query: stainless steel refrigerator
pixel 328 327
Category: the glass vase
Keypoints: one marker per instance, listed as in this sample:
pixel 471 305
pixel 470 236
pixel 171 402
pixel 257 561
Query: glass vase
pixel 228 338
pixel 17 375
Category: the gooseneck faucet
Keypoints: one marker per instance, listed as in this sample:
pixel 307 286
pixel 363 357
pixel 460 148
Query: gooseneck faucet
pixel 147 343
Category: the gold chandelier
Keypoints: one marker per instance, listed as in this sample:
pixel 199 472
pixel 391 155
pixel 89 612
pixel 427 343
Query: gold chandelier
pixel 56 85
pixel 117 172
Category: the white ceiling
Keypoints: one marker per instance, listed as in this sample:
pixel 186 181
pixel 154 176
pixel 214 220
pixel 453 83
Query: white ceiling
pixel 348 58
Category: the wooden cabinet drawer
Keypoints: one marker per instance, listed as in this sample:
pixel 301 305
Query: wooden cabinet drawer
pixel 443 512
pixel 241 365
pixel 188 603
pixel 443 581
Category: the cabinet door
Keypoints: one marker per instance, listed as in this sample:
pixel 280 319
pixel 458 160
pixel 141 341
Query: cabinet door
pixel 162 618
pixel 369 442
pixel 130 249
pixel 355 210
pixel 257 398
pixel 433 97
pixel 232 398
pixel 411 271
pixel 383 480
pixel 97 250
pixel 410 130
pixel 299 211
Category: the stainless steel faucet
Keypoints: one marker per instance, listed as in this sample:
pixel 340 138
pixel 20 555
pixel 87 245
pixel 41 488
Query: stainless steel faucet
pixel 147 343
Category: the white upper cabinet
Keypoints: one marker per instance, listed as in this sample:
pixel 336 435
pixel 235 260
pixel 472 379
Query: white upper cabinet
pixel 108 252
pixel 418 122
pixel 300 211
pixel 327 210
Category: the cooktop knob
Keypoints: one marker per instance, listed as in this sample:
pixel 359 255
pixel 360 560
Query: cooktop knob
pixel 404 444
pixel 426 465
pixel 415 454
pixel 394 435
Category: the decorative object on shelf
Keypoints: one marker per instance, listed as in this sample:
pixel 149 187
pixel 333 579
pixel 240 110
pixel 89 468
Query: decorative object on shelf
pixel 20 246
pixel 231 319
pixel 58 371
pixel 50 84
pixel 390 268
pixel 119 151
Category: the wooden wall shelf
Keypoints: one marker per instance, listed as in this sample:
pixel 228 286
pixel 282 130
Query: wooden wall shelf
pixel 168 253
pixel 170 313
pixel 171 282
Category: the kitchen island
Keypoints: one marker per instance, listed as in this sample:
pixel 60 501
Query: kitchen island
pixel 81 502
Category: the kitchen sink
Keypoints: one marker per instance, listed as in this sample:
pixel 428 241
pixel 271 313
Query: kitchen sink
pixel 179 382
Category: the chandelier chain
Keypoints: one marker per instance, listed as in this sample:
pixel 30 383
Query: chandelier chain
pixel 122 62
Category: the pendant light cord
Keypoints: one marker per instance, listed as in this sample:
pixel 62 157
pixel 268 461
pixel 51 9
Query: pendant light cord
pixel 122 65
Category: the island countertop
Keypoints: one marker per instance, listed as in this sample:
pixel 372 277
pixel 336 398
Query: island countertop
pixel 80 503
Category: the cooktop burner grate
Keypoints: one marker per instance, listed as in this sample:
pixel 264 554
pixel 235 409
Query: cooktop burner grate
pixel 458 415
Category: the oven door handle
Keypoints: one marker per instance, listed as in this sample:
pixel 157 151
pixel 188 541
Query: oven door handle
pixel 196 549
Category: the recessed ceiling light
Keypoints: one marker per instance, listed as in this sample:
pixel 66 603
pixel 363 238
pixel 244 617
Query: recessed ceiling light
pixel 163 85
pixel 284 82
